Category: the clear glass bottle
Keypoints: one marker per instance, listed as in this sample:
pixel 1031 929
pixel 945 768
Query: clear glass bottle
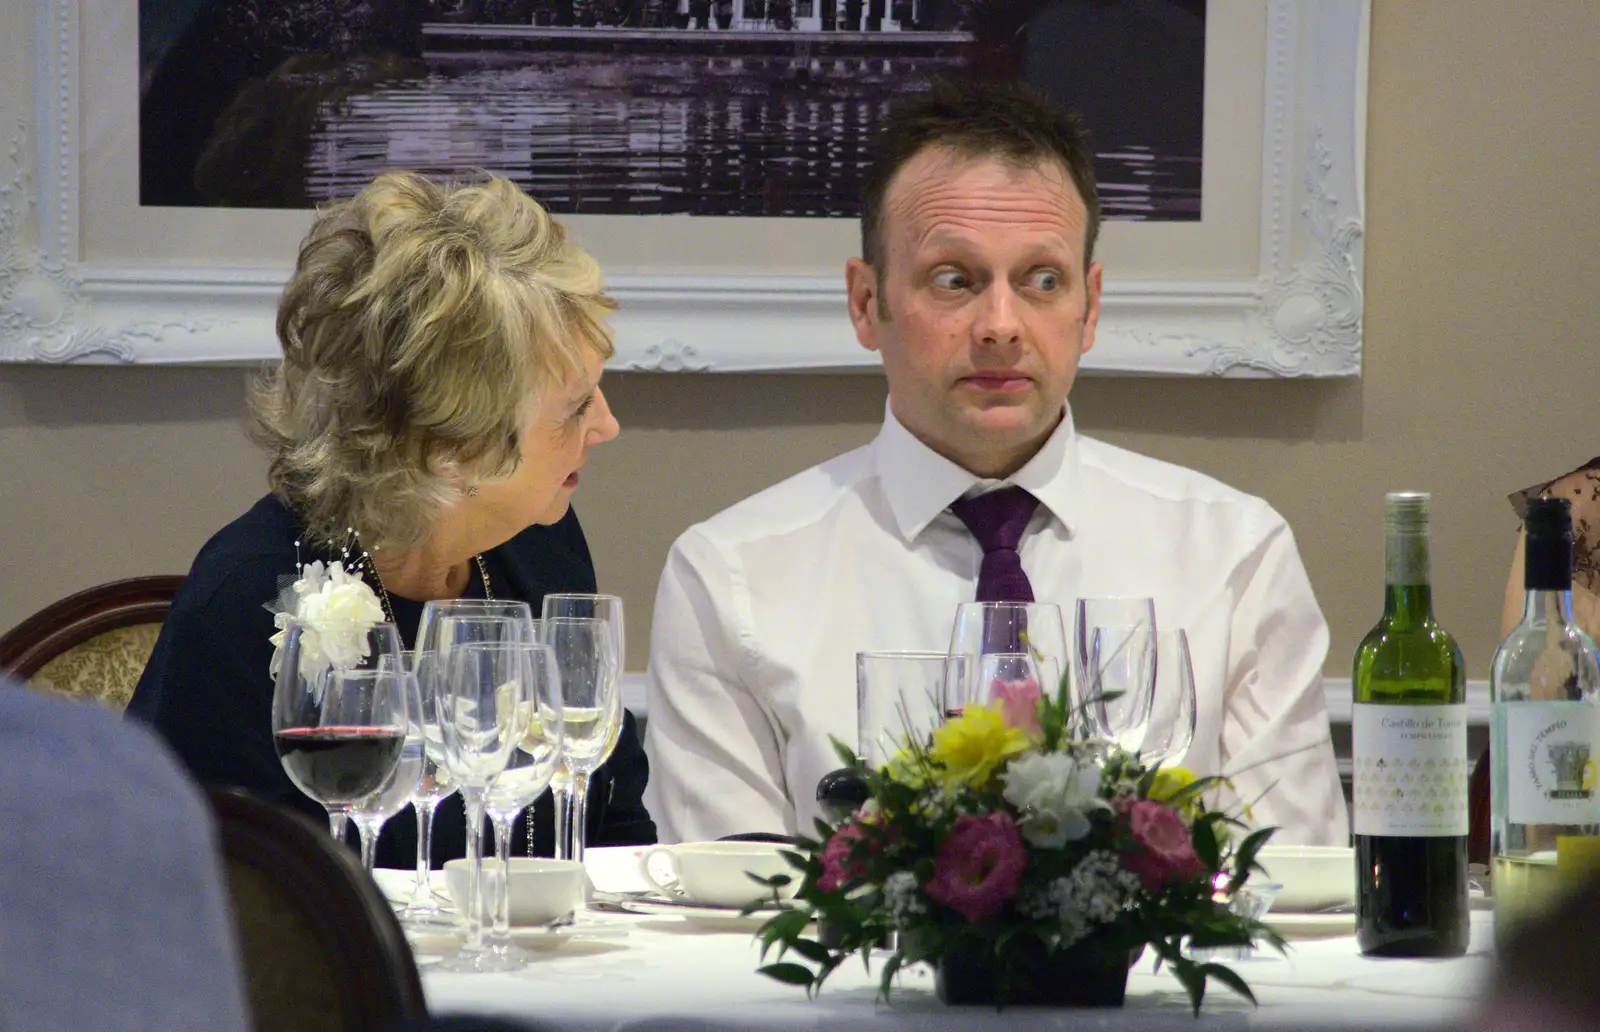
pixel 1545 735
pixel 1409 745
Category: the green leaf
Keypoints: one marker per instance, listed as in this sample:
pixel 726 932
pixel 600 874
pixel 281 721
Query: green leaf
pixel 786 927
pixel 1194 982
pixel 812 951
pixel 1245 855
pixel 890 968
pixel 846 755
pixel 1205 845
pixel 793 974
pixel 1230 978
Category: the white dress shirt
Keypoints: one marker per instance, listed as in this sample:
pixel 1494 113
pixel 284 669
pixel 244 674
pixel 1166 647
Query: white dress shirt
pixel 761 610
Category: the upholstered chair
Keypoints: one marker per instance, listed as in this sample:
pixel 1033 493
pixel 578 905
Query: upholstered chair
pixel 94 644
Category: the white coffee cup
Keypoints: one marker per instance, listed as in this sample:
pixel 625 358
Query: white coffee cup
pixel 543 891
pixel 718 874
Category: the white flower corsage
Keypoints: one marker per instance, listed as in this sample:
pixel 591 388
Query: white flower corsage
pixel 336 608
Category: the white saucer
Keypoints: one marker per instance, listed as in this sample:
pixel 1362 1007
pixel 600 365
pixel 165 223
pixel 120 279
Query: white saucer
pixel 1310 926
pixel 728 919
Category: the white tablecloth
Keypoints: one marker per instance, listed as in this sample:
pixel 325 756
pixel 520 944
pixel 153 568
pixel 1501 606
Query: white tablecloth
pixel 670 973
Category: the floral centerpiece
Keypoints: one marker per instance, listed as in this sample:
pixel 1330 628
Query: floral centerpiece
pixel 1025 864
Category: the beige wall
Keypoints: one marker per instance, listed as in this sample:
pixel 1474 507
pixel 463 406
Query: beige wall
pixel 1482 265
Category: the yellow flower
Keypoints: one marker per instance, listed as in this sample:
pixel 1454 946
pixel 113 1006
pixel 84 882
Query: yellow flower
pixel 972 745
pixel 904 768
pixel 1169 781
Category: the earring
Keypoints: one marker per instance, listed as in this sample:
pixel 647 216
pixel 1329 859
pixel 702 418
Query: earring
pixel 472 492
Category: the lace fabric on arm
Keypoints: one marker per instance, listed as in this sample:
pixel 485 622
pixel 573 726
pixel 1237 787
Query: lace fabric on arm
pixel 1582 488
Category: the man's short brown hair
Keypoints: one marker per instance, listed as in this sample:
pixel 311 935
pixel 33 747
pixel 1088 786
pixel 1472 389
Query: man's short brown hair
pixel 976 119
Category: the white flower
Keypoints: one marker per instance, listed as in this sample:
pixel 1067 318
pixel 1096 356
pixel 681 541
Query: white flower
pixel 1095 893
pixel 336 609
pixel 1054 794
pixel 903 897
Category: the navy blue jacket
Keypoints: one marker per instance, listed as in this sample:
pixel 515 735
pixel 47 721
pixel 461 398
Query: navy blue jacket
pixel 207 691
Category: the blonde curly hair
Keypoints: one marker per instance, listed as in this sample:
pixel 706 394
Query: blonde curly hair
pixel 420 319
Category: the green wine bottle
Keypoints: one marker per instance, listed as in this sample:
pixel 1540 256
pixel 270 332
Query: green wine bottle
pixel 1409 741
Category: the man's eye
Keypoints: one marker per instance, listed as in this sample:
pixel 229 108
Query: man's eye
pixel 950 280
pixel 1045 279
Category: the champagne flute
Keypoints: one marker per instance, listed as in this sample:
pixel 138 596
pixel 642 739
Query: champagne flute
pixel 1172 703
pixel 482 718
pixel 422 912
pixel 585 655
pixel 338 735
pixel 1006 628
pixel 585 606
pixel 373 812
pixel 524 780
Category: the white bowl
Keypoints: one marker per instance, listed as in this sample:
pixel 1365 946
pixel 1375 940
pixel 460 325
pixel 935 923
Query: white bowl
pixel 542 890
pixel 1313 877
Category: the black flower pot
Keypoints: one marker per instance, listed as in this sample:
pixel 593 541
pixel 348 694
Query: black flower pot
pixel 1089 974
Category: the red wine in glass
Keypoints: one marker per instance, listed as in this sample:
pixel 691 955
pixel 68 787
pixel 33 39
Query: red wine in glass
pixel 340 765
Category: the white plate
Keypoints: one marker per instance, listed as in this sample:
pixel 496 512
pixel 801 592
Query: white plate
pixel 1311 926
pixel 725 919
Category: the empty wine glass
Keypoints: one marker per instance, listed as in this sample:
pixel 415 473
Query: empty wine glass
pixel 338 734
pixel 1007 628
pixel 1119 676
pixel 423 912
pixel 585 653
pixel 1090 615
pixel 482 716
pixel 525 778
pixel 373 812
pixel 1000 676
pixel 608 610
pixel 900 698
pixel 1172 701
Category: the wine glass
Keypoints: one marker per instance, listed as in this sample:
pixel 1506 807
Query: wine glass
pixel 338 735
pixel 441 608
pixel 1007 628
pixel 1092 614
pixel 422 912
pixel 998 672
pixel 1172 702
pixel 526 776
pixel 373 812
pixel 1119 679
pixel 585 654
pixel 482 715
pixel 900 698
pixel 582 606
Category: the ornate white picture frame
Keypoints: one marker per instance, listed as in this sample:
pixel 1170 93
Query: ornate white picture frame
pixel 1295 313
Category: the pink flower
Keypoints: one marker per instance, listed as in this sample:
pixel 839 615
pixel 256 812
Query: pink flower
pixel 979 866
pixel 1167 853
pixel 838 867
pixel 1019 703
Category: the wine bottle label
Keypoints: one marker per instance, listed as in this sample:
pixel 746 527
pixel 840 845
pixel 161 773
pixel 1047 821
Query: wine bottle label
pixel 1410 770
pixel 1550 762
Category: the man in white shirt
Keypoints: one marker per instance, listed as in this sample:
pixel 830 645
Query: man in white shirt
pixel 978 288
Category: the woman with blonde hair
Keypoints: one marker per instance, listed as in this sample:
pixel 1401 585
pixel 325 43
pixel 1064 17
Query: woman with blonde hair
pixel 439 391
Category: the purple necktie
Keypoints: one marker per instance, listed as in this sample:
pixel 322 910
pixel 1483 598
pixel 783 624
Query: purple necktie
pixel 997 519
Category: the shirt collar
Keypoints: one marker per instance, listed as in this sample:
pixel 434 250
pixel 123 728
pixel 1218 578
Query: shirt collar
pixel 919 483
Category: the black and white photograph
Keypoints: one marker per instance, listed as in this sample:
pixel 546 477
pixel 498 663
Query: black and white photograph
pixel 755 108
